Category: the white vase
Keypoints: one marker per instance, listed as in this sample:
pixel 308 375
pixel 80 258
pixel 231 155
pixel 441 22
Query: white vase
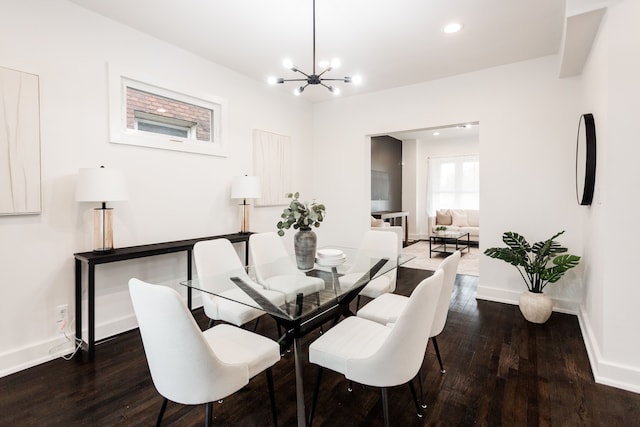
pixel 535 307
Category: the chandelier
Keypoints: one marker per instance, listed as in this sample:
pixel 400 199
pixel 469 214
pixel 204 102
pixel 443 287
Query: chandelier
pixel 314 78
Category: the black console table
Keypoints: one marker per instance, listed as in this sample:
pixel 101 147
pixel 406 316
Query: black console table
pixel 122 254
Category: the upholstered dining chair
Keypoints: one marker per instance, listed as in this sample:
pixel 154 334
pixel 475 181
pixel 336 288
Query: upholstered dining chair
pixel 213 258
pixel 192 367
pixel 375 355
pixel 275 270
pixel 386 309
pixel 375 243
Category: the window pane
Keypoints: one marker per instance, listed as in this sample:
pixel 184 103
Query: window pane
pixel 162 114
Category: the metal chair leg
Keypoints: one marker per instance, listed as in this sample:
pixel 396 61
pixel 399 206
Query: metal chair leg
pixel 208 414
pixel 211 322
pixel 435 346
pixel 385 406
pixel 315 396
pixel 272 396
pixel 415 398
pixel 358 303
pixel 162 408
pixel 255 328
pixel 424 401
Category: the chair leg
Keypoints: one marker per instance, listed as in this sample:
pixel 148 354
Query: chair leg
pixel 162 408
pixel 211 322
pixel 435 346
pixel 424 401
pixel 208 414
pixel 385 406
pixel 255 328
pixel 415 398
pixel 315 396
pixel 272 396
pixel 358 303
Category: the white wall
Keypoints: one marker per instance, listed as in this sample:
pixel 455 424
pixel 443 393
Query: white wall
pixel 528 118
pixel 609 315
pixel 173 195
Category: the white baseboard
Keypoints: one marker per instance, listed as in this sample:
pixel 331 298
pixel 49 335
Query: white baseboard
pixel 511 297
pixel 44 351
pixel 606 372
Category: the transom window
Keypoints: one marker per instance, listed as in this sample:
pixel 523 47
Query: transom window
pixel 149 114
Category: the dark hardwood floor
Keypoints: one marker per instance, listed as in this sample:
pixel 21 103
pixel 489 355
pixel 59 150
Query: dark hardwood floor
pixel 501 370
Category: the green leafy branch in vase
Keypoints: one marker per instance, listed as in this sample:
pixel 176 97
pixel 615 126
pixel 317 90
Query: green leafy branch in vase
pixel 300 215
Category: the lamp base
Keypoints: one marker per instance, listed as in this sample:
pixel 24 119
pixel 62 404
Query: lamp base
pixel 244 213
pixel 103 230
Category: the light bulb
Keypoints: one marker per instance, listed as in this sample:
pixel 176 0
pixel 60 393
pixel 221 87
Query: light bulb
pixel 453 27
pixel 298 91
pixel 288 64
pixel 335 90
pixel 272 80
pixel 323 64
pixel 356 79
pixel 335 63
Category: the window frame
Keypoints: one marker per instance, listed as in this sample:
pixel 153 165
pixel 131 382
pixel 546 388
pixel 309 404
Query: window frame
pixel 121 78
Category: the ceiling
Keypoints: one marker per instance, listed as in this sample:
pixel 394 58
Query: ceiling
pixel 461 130
pixel 390 43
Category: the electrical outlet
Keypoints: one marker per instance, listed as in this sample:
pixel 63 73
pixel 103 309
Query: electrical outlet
pixel 62 317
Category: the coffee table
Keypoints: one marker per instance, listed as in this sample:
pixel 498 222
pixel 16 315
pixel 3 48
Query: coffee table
pixel 447 242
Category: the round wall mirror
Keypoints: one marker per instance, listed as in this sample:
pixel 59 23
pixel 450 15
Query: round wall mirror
pixel 586 159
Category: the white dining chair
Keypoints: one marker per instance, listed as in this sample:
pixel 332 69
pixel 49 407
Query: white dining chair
pixel 386 309
pixel 277 271
pixel 213 258
pixel 192 367
pixel 375 244
pixel 375 355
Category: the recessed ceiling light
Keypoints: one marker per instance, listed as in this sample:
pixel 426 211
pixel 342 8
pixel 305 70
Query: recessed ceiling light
pixel 453 27
pixel 436 133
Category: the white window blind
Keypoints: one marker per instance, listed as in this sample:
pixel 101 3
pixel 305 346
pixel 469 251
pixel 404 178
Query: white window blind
pixel 454 183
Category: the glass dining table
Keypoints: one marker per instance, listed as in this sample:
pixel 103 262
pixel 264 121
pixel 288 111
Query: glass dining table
pixel 306 312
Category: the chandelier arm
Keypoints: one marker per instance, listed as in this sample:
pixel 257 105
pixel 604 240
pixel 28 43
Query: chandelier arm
pixel 293 80
pixel 302 72
pixel 328 69
pixel 335 80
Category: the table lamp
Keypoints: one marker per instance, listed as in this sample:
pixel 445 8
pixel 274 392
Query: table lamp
pixel 245 187
pixel 101 185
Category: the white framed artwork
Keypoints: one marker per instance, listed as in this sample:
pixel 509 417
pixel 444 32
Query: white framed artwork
pixel 20 180
pixel 272 163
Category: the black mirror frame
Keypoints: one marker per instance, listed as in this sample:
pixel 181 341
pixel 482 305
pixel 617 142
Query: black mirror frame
pixel 587 125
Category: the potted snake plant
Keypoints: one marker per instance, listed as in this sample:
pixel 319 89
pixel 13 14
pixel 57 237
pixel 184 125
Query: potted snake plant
pixel 539 265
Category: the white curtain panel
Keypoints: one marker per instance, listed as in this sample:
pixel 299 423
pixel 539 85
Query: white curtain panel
pixel 453 183
pixel 272 163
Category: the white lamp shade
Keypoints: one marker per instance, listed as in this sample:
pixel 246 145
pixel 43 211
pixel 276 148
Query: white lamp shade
pixel 101 185
pixel 245 187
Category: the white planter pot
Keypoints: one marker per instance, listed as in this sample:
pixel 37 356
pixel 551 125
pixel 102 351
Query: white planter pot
pixel 536 308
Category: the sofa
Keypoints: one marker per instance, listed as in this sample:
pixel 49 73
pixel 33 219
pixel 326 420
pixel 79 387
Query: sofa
pixel 463 220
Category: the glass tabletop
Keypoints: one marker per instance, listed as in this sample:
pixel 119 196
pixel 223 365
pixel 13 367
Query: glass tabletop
pixel 450 234
pixel 338 273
